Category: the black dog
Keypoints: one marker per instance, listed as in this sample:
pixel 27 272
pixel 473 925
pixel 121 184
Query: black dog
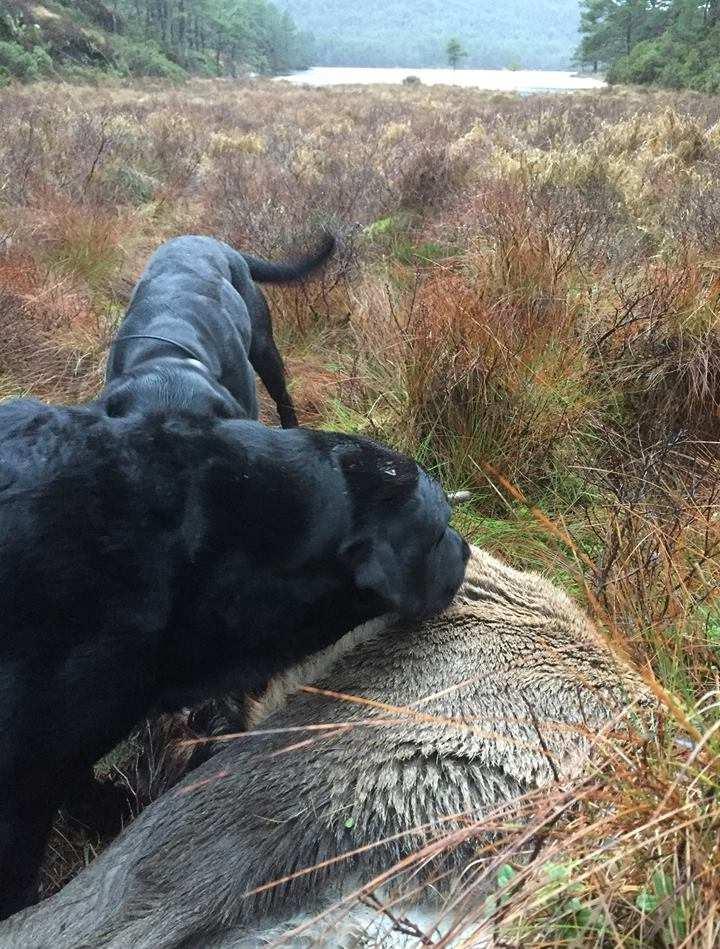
pixel 151 561
pixel 196 327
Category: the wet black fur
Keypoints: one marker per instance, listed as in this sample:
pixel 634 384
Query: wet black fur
pixel 211 326
pixel 148 562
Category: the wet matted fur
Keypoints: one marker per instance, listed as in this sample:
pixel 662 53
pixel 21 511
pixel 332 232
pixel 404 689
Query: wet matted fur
pixel 502 694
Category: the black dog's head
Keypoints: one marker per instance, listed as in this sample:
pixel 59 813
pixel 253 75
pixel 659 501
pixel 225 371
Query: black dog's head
pixel 303 535
pixel 401 547
pixel 360 525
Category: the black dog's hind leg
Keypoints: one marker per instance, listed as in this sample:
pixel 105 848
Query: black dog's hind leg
pixel 268 365
pixel 267 361
pixel 100 805
pixel 25 823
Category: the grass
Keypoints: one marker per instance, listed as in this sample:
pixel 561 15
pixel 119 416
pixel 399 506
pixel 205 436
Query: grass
pixel 526 297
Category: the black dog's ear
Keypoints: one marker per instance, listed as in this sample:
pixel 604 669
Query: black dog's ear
pixel 374 566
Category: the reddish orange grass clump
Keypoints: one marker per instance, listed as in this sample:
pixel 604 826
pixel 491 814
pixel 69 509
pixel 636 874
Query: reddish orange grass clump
pixel 526 296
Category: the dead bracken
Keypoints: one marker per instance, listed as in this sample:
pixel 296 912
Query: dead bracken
pixel 526 297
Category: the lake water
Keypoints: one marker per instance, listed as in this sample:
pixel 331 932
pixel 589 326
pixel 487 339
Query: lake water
pixel 500 80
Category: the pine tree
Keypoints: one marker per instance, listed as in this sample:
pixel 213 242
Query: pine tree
pixel 454 52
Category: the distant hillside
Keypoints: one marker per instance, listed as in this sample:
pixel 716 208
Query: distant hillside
pixel 495 33
pixel 168 38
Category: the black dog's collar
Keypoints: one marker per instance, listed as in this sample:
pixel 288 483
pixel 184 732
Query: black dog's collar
pixel 161 339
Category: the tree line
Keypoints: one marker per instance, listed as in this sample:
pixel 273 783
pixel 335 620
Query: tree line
pixel 167 38
pixel 673 43
pixel 226 34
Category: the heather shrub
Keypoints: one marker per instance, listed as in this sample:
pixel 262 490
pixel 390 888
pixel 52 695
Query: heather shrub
pixel 19 63
pixel 525 295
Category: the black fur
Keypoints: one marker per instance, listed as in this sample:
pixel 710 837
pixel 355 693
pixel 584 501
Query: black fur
pixel 150 561
pixel 197 326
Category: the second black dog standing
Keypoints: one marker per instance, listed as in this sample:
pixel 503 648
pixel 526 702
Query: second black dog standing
pixel 196 328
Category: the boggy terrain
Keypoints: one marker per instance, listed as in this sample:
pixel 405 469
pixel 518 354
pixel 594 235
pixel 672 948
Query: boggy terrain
pixel 526 297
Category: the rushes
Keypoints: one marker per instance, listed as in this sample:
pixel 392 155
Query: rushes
pixel 526 296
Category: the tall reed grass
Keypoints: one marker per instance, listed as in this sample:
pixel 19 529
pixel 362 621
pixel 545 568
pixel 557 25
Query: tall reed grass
pixel 526 296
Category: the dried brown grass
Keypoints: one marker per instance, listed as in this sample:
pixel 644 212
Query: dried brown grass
pixel 526 295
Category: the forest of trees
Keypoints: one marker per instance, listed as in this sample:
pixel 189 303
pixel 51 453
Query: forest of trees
pixel 495 33
pixel 223 34
pixel 673 43
pixel 168 38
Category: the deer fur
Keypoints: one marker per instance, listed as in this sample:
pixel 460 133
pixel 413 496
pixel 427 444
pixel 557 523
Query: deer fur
pixel 500 696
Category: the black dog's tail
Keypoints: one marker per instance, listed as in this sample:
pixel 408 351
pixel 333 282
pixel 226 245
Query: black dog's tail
pixel 289 271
